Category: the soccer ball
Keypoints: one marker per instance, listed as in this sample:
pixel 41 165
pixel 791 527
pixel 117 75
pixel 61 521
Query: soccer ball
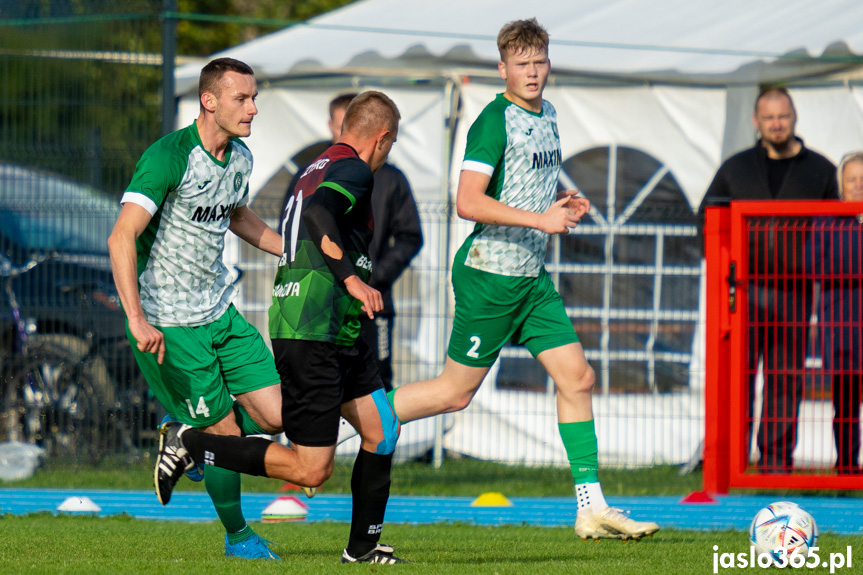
pixel 783 524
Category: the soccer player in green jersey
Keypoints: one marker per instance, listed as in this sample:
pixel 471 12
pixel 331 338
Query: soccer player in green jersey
pixel 508 186
pixel 326 370
pixel 193 347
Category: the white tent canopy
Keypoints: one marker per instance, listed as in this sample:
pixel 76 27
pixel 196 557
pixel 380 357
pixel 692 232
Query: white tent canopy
pixel 714 50
pixel 673 40
pixel 671 80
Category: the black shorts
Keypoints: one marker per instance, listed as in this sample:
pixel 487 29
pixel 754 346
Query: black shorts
pixel 317 378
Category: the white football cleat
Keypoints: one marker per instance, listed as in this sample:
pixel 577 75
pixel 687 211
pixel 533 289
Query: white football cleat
pixel 611 523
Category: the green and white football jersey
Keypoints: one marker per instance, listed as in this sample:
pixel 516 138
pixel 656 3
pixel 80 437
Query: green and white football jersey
pixel 191 196
pixel 520 151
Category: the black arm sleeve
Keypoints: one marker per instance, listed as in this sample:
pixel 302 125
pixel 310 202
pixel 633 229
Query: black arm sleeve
pixel 319 215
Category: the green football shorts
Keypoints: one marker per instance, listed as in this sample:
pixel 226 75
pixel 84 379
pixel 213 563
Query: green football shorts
pixel 491 309
pixel 205 365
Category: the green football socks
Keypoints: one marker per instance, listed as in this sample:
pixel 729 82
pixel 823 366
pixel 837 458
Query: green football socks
pixel 224 489
pixel 224 485
pixel 579 439
pixel 241 535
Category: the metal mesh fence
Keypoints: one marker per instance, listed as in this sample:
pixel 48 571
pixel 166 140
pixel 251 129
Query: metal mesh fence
pixel 69 382
pixel 80 94
pixel 80 102
pixel 783 325
pixel 803 340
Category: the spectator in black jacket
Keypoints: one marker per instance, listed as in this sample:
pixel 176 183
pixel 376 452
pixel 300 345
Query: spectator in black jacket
pixel 397 239
pixel 778 167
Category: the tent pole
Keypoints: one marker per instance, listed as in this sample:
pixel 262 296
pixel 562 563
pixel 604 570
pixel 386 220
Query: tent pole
pixel 451 95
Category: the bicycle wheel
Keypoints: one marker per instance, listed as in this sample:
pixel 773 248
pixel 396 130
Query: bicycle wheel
pixel 55 396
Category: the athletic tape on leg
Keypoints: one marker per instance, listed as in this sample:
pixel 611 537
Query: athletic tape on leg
pixel 389 423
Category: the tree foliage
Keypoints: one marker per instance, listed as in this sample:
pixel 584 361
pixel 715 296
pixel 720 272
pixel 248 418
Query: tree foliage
pixel 79 93
pixel 198 38
pixel 81 82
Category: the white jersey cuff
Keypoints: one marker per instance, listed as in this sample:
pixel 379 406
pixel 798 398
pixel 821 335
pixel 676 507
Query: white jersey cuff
pixel 141 200
pixel 474 166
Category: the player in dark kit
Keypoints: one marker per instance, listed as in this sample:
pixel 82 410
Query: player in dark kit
pixel 314 271
pixel 326 370
pixel 397 239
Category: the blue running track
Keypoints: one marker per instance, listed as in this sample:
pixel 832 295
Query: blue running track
pixel 838 515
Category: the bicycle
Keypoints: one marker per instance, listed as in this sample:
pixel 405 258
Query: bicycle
pixel 53 390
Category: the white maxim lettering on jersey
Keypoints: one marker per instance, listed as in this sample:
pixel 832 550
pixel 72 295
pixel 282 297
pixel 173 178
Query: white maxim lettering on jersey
pixel 289 289
pixel 364 263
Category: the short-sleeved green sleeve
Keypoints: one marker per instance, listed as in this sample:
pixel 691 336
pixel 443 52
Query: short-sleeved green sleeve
pixel 486 139
pixel 245 199
pixel 160 170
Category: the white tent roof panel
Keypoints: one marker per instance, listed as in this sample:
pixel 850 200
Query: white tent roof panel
pixel 614 37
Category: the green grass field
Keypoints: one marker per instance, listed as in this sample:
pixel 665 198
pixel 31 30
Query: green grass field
pixel 42 544
pixel 47 544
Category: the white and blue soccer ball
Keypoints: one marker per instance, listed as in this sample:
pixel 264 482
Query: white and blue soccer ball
pixel 785 525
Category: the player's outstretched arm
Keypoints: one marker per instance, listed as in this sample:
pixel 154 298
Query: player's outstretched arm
pixel 250 228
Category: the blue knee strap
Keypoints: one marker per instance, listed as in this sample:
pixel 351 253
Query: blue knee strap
pixel 389 423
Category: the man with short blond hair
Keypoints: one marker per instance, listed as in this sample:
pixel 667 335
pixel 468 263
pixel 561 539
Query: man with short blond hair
pixel 397 239
pixel 508 186
pixel 368 112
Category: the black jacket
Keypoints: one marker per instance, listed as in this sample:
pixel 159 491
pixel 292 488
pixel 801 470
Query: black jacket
pixel 744 176
pixel 398 234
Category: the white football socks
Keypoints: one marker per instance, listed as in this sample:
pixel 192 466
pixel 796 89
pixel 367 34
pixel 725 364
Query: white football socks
pixel 590 497
pixel 346 431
